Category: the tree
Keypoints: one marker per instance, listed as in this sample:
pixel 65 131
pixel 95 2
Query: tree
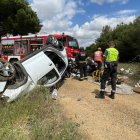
pixel 16 17
pixel 91 49
pixel 106 30
pixel 126 37
pixel 105 37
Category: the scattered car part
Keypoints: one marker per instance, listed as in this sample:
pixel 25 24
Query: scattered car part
pixel 137 89
pixel 54 94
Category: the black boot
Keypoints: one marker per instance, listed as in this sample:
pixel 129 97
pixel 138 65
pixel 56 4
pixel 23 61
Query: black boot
pixel 101 95
pixel 112 96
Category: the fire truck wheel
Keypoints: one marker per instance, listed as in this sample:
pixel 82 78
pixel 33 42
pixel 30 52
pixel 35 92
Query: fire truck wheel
pixel 52 40
pixel 7 70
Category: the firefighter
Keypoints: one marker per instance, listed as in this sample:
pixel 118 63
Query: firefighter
pixel 92 66
pixel 97 57
pixel 81 60
pixel 110 57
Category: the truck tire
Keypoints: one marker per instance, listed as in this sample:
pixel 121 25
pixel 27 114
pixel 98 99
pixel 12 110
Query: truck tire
pixel 11 76
pixel 52 40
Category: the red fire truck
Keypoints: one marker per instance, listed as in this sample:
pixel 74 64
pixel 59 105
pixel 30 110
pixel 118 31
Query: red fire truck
pixel 17 47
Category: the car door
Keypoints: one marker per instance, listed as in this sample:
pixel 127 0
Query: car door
pixel 40 67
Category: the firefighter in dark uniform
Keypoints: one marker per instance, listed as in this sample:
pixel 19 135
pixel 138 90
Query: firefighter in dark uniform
pixel 81 60
pixel 110 58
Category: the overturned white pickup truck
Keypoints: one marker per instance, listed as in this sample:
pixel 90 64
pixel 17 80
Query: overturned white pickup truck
pixel 45 66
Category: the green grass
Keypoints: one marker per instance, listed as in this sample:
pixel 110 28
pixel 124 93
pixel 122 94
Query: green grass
pixel 36 117
pixel 135 68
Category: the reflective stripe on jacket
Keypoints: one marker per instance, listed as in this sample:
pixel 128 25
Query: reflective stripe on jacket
pixel 98 56
pixel 112 54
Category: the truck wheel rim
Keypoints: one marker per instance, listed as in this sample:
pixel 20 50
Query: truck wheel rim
pixel 54 40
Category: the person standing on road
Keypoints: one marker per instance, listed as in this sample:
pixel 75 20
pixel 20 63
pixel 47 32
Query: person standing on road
pixel 81 60
pixel 97 57
pixel 110 58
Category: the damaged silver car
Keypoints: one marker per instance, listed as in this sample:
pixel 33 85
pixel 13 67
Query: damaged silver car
pixel 45 66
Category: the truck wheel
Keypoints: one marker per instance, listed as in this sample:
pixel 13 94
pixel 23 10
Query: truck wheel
pixel 52 40
pixel 7 70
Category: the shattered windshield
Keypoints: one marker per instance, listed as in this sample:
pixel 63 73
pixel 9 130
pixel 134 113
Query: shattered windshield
pixel 73 42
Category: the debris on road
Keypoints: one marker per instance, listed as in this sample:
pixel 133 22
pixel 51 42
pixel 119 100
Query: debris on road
pixel 75 75
pixel 79 99
pixel 54 94
pixel 138 84
pixel 63 96
pixel 120 88
pixel 137 90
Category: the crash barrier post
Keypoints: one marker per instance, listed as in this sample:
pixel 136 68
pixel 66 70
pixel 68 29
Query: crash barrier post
pixel 95 73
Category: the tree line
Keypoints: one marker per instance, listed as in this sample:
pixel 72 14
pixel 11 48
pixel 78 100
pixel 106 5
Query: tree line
pixel 125 36
pixel 17 17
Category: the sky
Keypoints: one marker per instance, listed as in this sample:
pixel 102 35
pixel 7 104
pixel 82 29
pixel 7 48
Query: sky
pixel 83 19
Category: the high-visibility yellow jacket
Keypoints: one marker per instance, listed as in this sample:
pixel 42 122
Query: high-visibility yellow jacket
pixel 111 54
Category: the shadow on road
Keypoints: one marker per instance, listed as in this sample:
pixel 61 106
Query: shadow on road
pixel 75 78
pixel 97 92
pixel 57 85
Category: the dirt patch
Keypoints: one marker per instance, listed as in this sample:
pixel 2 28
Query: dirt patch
pixel 101 119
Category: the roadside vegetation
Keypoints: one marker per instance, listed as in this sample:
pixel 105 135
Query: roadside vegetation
pixel 134 78
pixel 126 37
pixel 17 17
pixel 36 117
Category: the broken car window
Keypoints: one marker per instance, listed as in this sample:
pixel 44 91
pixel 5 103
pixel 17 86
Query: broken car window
pixel 49 78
